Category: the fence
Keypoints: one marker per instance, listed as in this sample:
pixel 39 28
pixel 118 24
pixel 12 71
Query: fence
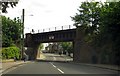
pixel 65 27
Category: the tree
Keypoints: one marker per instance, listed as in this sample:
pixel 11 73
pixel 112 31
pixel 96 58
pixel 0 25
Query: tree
pixel 101 24
pixel 41 46
pixel 110 30
pixel 6 5
pixel 67 47
pixel 11 31
pixel 88 18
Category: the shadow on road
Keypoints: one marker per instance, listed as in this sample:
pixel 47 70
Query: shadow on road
pixel 53 61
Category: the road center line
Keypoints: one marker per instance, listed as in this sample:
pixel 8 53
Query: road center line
pixel 60 70
pixel 53 65
pixel 56 68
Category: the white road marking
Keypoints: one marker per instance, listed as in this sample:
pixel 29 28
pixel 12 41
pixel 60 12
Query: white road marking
pixel 60 70
pixel 53 65
pixel 56 68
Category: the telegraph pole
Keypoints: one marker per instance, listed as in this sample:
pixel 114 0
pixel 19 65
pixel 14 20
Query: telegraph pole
pixel 23 14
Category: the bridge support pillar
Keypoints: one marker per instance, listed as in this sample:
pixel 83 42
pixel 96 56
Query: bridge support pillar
pixel 32 47
pixel 32 53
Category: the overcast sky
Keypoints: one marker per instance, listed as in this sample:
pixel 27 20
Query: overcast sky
pixel 40 14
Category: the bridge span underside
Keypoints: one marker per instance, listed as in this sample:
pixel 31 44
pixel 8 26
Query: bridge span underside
pixel 81 53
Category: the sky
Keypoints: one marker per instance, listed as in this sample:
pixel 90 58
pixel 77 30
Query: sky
pixel 44 14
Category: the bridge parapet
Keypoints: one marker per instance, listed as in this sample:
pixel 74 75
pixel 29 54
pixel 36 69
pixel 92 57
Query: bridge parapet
pixel 57 28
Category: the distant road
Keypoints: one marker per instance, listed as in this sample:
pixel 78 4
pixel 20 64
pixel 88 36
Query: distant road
pixel 57 57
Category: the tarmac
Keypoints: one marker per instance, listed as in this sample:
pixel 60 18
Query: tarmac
pixel 11 63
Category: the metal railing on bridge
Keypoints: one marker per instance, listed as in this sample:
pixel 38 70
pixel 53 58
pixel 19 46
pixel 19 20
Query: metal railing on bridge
pixel 57 28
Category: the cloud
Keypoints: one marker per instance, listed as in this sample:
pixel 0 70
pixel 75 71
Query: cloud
pixel 38 4
pixel 46 13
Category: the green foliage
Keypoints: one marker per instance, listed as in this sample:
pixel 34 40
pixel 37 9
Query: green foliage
pixel 101 23
pixel 67 46
pixel 10 52
pixel 88 18
pixel 6 5
pixel 41 46
pixel 110 29
pixel 11 31
pixel 0 53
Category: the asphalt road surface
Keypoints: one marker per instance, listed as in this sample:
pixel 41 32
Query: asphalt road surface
pixel 55 64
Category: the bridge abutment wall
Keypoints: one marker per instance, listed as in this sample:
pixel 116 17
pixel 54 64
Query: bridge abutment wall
pixel 82 51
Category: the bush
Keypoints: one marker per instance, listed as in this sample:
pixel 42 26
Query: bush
pixel 10 52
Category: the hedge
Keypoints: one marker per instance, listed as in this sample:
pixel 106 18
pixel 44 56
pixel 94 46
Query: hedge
pixel 10 53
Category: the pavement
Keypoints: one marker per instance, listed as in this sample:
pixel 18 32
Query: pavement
pixel 8 65
pixel 104 66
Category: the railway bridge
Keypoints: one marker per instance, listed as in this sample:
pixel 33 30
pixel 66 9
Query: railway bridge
pixel 81 51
